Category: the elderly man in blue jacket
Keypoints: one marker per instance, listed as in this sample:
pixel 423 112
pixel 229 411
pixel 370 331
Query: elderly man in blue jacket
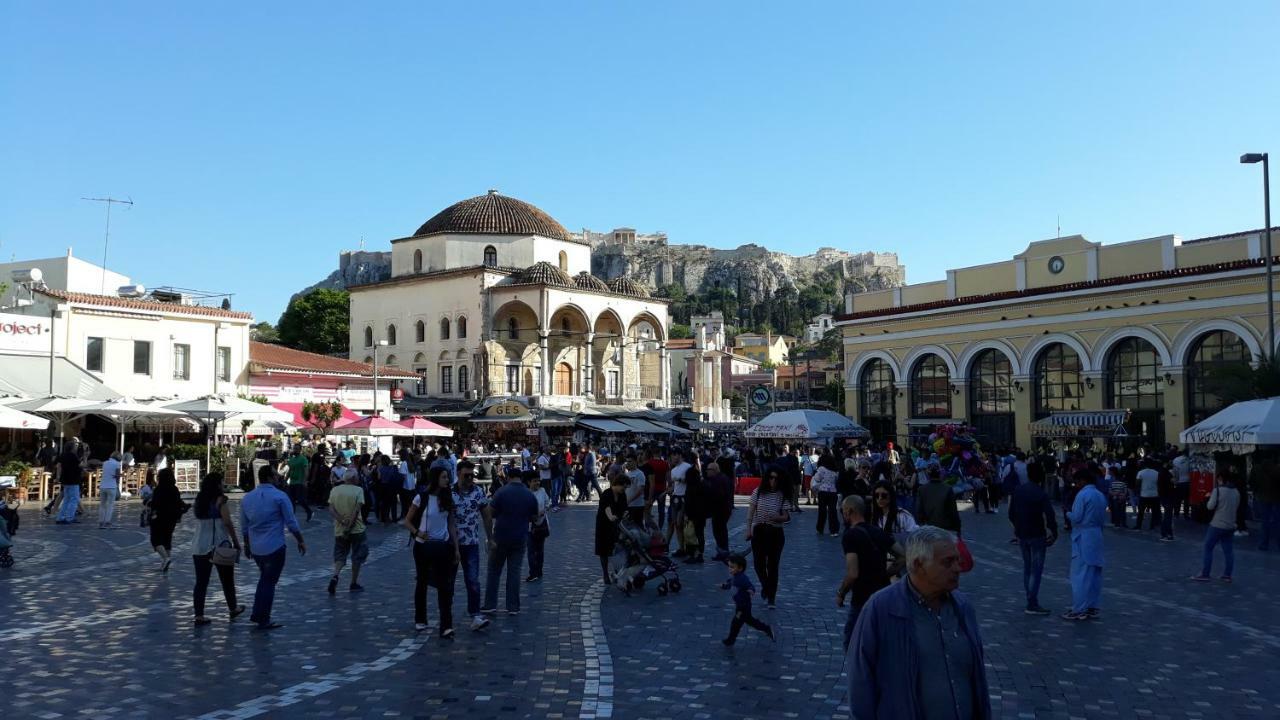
pixel 916 651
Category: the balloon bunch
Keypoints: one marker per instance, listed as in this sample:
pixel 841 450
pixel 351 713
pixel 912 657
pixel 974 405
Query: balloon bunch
pixel 957 451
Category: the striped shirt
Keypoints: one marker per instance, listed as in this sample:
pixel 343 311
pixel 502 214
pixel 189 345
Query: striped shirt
pixel 767 505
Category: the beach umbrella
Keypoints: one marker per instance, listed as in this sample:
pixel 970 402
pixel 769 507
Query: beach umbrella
pixel 423 427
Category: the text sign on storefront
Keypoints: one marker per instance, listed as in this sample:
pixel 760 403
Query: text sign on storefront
pixel 25 333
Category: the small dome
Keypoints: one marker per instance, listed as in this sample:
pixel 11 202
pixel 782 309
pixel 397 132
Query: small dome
pixel 543 273
pixel 493 214
pixel 626 286
pixel 587 281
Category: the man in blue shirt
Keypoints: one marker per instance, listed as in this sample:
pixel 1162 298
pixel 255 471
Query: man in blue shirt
pixel 512 509
pixel 1088 513
pixel 265 513
pixel 1035 528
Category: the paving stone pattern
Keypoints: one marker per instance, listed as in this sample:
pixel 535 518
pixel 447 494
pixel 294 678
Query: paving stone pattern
pixel 91 629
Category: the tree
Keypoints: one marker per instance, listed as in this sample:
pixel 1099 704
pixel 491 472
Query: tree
pixel 1236 383
pixel 322 415
pixel 831 345
pixel 264 332
pixel 679 332
pixel 317 322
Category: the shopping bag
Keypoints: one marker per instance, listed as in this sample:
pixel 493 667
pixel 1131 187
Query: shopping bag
pixel 966 557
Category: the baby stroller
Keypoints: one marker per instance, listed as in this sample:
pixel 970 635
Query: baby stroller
pixel 641 556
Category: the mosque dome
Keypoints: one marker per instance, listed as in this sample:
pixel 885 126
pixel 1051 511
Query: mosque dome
pixel 626 286
pixel 543 273
pixel 493 214
pixel 587 281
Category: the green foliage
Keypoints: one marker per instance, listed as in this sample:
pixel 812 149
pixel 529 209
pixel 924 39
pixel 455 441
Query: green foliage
pixel 768 365
pixel 833 394
pixel 831 345
pixel 264 332
pixel 1235 383
pixel 322 415
pixel 317 322
pixel 680 332
pixel 260 399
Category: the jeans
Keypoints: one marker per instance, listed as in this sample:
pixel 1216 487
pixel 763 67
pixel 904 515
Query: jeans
pixel 70 501
pixel 435 564
pixel 742 616
pixel 660 502
pixel 537 545
pixel 854 611
pixel 827 512
pixel 269 568
pixel 1269 516
pixel 1118 518
pixel 557 487
pixel 298 496
pixel 1170 506
pixel 387 496
pixel 766 544
pixel 699 532
pixel 981 497
pixel 1213 537
pixel 1032 569
pixel 471 576
pixel 1182 499
pixel 1152 504
pixel 509 555
pixel 226 578
pixel 107 506
pixel 720 529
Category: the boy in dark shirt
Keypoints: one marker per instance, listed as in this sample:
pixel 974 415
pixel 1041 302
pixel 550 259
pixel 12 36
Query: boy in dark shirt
pixel 742 592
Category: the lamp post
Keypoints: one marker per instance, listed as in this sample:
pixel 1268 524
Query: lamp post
pixel 376 345
pixel 1250 159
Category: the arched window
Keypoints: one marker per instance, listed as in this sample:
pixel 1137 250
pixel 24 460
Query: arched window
pixel 490 256
pixel 930 388
pixel 462 328
pixel 564 261
pixel 417 261
pixel 464 379
pixel 391 334
pixel 876 409
pixel 368 337
pixel 564 326
pixel 420 331
pixel 391 361
pixel 1210 356
pixel 368 359
pixel 1058 385
pixel 513 329
pixel 1135 383
pixel 444 328
pixel 991 397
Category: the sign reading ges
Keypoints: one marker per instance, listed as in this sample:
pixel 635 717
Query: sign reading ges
pixel 24 333
pixel 506 409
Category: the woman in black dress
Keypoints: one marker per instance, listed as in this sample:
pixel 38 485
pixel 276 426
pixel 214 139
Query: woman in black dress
pixel 613 506
pixel 167 508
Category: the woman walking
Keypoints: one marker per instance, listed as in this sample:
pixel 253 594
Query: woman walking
pixel 886 515
pixel 167 508
pixel 1223 501
pixel 613 505
pixel 765 519
pixel 825 476
pixel 539 530
pixel 214 530
pixel 433 527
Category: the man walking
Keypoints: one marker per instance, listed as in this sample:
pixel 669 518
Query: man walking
pixel 1148 493
pixel 265 513
pixel 866 548
pixel 298 465
pixel 1088 513
pixel 69 474
pixel 471 504
pixel 1036 528
pixel 511 510
pixel 916 651
pixel 346 505
pixel 109 491
pixel 719 489
pixel 936 503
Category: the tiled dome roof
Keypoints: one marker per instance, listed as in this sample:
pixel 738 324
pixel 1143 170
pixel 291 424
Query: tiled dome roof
pixel 626 286
pixel 494 214
pixel 587 281
pixel 544 273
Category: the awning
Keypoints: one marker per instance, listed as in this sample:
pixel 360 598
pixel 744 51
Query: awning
pixel 1086 423
pixel 295 409
pixel 672 428
pixel 28 376
pixel 604 425
pixel 503 419
pixel 644 426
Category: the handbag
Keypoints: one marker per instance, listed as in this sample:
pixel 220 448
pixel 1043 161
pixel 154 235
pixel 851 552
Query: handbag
pixel 966 557
pixel 225 554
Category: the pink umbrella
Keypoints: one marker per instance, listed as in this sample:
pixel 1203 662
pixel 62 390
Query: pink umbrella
pixel 425 428
pixel 371 427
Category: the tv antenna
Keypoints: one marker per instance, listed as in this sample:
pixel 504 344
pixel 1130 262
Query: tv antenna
pixel 106 238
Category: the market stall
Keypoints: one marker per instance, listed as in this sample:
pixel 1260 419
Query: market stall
pixel 1241 429
pixel 806 425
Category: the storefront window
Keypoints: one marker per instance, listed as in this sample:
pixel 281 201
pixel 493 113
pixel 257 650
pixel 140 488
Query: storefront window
pixel 877 390
pixel 1135 383
pixel 1211 355
pixel 991 397
pixel 1058 382
pixel 931 388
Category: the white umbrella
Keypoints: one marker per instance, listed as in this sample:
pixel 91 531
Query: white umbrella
pixel 123 410
pixel 18 420
pixel 1240 428
pixel 215 408
pixel 806 425
pixel 61 410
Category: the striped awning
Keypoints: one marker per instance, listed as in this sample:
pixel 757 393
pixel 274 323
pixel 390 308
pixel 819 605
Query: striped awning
pixel 1062 423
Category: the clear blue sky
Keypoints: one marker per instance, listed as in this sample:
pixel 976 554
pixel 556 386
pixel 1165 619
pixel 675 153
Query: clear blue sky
pixel 259 142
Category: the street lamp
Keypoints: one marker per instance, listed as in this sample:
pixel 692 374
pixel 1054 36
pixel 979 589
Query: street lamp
pixel 376 345
pixel 1250 159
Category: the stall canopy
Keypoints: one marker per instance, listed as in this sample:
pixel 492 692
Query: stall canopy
pixel 372 427
pixel 33 375
pixel 11 419
pixel 423 427
pixel 295 409
pixel 604 425
pixel 1240 428
pixel 806 425
pixel 1081 423
pixel 646 427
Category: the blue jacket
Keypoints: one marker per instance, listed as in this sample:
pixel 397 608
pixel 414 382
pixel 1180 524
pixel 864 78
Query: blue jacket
pixel 883 665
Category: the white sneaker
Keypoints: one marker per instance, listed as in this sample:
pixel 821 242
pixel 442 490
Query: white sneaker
pixel 421 627
pixel 479 622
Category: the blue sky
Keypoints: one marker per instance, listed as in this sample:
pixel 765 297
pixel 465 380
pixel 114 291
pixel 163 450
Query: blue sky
pixel 259 142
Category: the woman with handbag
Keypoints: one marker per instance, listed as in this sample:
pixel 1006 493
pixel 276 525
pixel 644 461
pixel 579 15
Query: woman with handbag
pixel 215 545
pixel 167 508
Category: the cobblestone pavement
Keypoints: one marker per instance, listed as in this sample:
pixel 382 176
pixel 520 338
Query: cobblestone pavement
pixel 92 630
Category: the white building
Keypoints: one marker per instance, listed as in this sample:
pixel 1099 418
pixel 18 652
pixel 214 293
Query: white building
pixel 492 296
pixel 818 328
pixel 69 273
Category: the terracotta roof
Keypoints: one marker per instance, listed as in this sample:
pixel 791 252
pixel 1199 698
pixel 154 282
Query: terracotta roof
pixel 681 344
pixel 1065 287
pixel 586 281
pixel 278 357
pixel 542 273
pixel 494 214
pixel 626 286
pixel 141 304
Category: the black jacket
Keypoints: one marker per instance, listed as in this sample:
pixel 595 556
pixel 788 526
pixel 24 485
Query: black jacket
pixel 1031 513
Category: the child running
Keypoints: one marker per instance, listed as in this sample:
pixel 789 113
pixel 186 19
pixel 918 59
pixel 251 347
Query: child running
pixel 743 590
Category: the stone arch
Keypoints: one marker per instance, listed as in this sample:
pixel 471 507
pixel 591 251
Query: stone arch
pixel 462 355
pixel 420 331
pixel 526 321
pixel 392 362
pixel 855 370
pixel 419 358
pixel 972 351
pixel 924 350
pixel 1108 341
pixel 644 316
pixel 1040 343
pixel 368 337
pixel 564 261
pixel 569 322
pixel 608 323
pixel 1187 339
pixel 462 328
pixel 392 335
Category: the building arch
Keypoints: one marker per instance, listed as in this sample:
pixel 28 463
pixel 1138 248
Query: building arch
pixel 392 362
pixel 570 321
pixel 462 327
pixel 929 392
pixel 515 320
pixel 973 350
pixel 564 261
pixel 854 378
pixel 1105 344
pixel 419 358
pixel 490 256
pixel 1187 340
pixel 420 331
pixel 391 334
pixel 607 323
pixel 417 261
pixel 913 357
pixel 644 316
pixel 444 328
pixel 1038 345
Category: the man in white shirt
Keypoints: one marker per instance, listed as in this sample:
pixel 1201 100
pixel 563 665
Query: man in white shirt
pixel 679 469
pixel 1148 494
pixel 109 491
pixel 1182 485
pixel 637 491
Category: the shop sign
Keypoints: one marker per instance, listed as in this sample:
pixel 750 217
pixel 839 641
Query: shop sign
pixel 761 396
pixel 506 410
pixel 532 432
pixel 25 333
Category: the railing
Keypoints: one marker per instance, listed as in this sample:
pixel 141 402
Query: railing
pixel 650 392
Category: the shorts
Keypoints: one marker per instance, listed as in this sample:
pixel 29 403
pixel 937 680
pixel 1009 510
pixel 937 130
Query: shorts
pixel 354 545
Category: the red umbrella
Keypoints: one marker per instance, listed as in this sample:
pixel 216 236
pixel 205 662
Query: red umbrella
pixel 371 427
pixel 425 428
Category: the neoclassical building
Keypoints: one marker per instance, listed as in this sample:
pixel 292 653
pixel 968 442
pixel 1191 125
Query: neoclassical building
pixel 1134 331
pixel 492 296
